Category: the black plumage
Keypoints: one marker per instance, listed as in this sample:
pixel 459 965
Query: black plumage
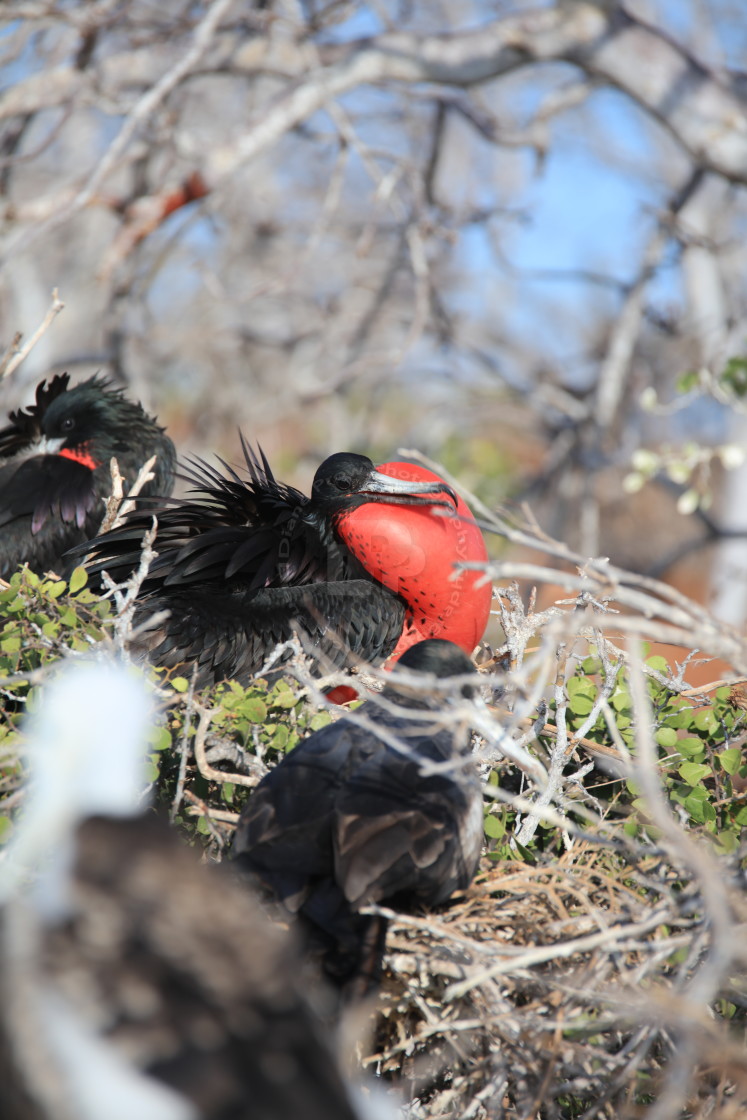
pixel 246 561
pixel 55 467
pixel 347 819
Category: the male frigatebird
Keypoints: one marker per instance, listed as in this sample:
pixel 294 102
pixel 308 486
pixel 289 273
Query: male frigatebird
pixel 358 814
pixel 55 467
pixel 135 983
pixel 363 568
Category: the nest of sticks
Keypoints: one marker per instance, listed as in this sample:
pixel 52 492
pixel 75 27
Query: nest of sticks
pixel 570 989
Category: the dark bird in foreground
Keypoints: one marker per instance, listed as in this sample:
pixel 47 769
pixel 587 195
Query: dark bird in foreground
pixel 136 984
pixel 363 568
pixel 348 818
pixel 55 467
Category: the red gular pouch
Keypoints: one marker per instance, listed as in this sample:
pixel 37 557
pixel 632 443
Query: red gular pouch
pixel 412 549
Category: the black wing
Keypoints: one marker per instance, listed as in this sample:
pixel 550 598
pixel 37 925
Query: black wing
pixel 284 844
pixel 284 836
pixel 229 636
pixel 401 834
pixel 46 486
pixel 47 505
pixel 253 531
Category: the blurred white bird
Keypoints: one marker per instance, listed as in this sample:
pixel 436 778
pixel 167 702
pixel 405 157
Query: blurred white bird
pixel 136 984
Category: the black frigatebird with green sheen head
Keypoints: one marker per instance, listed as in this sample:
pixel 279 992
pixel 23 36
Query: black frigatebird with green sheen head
pixel 362 569
pixel 55 467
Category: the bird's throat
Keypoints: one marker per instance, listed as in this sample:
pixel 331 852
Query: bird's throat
pixel 80 455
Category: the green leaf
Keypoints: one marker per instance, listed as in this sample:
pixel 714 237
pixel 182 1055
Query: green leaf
pixel 6 827
pixel 727 842
pixel 659 663
pixel 495 827
pixel 160 739
pixel 690 747
pixel 320 720
pixel 280 738
pixel 666 737
pixel 54 588
pixel 706 721
pixel 734 376
pixel 78 580
pixel 179 684
pixel 285 699
pixel 730 759
pixel 227 792
pixel 581 705
pixel 254 709
pixel 694 772
pixel 86 597
pixel 688 381
pixel 576 686
pixel 740 817
pixel 700 810
pixel 526 854
pixel 681 717
pixel 293 740
pixel 620 699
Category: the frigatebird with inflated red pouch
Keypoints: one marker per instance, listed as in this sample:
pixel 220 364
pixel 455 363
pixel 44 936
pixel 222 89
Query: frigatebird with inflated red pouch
pixel 361 570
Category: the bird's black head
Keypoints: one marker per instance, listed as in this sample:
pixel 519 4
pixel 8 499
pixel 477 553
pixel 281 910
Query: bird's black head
pixel 346 480
pixel 80 415
pixel 26 424
pixel 440 658
pixel 437 656
pixel 91 422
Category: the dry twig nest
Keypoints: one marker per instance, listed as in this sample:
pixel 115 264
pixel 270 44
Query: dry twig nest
pixel 563 990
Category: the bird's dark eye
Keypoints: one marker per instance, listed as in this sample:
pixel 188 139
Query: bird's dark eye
pixel 68 424
pixel 342 482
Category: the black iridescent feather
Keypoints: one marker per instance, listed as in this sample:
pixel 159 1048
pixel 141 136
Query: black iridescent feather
pixel 55 467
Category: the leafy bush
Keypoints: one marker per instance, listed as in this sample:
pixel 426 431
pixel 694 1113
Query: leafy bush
pixel 44 619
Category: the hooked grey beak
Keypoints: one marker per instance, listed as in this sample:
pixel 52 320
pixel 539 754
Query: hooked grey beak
pixel 47 446
pixel 402 492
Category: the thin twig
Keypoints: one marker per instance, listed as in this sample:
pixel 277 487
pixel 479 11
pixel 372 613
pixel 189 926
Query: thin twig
pixel 12 359
pixel 184 747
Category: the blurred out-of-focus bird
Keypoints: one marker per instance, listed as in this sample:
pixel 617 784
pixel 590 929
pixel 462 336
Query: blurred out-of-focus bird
pixel 136 984
pixel 55 467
